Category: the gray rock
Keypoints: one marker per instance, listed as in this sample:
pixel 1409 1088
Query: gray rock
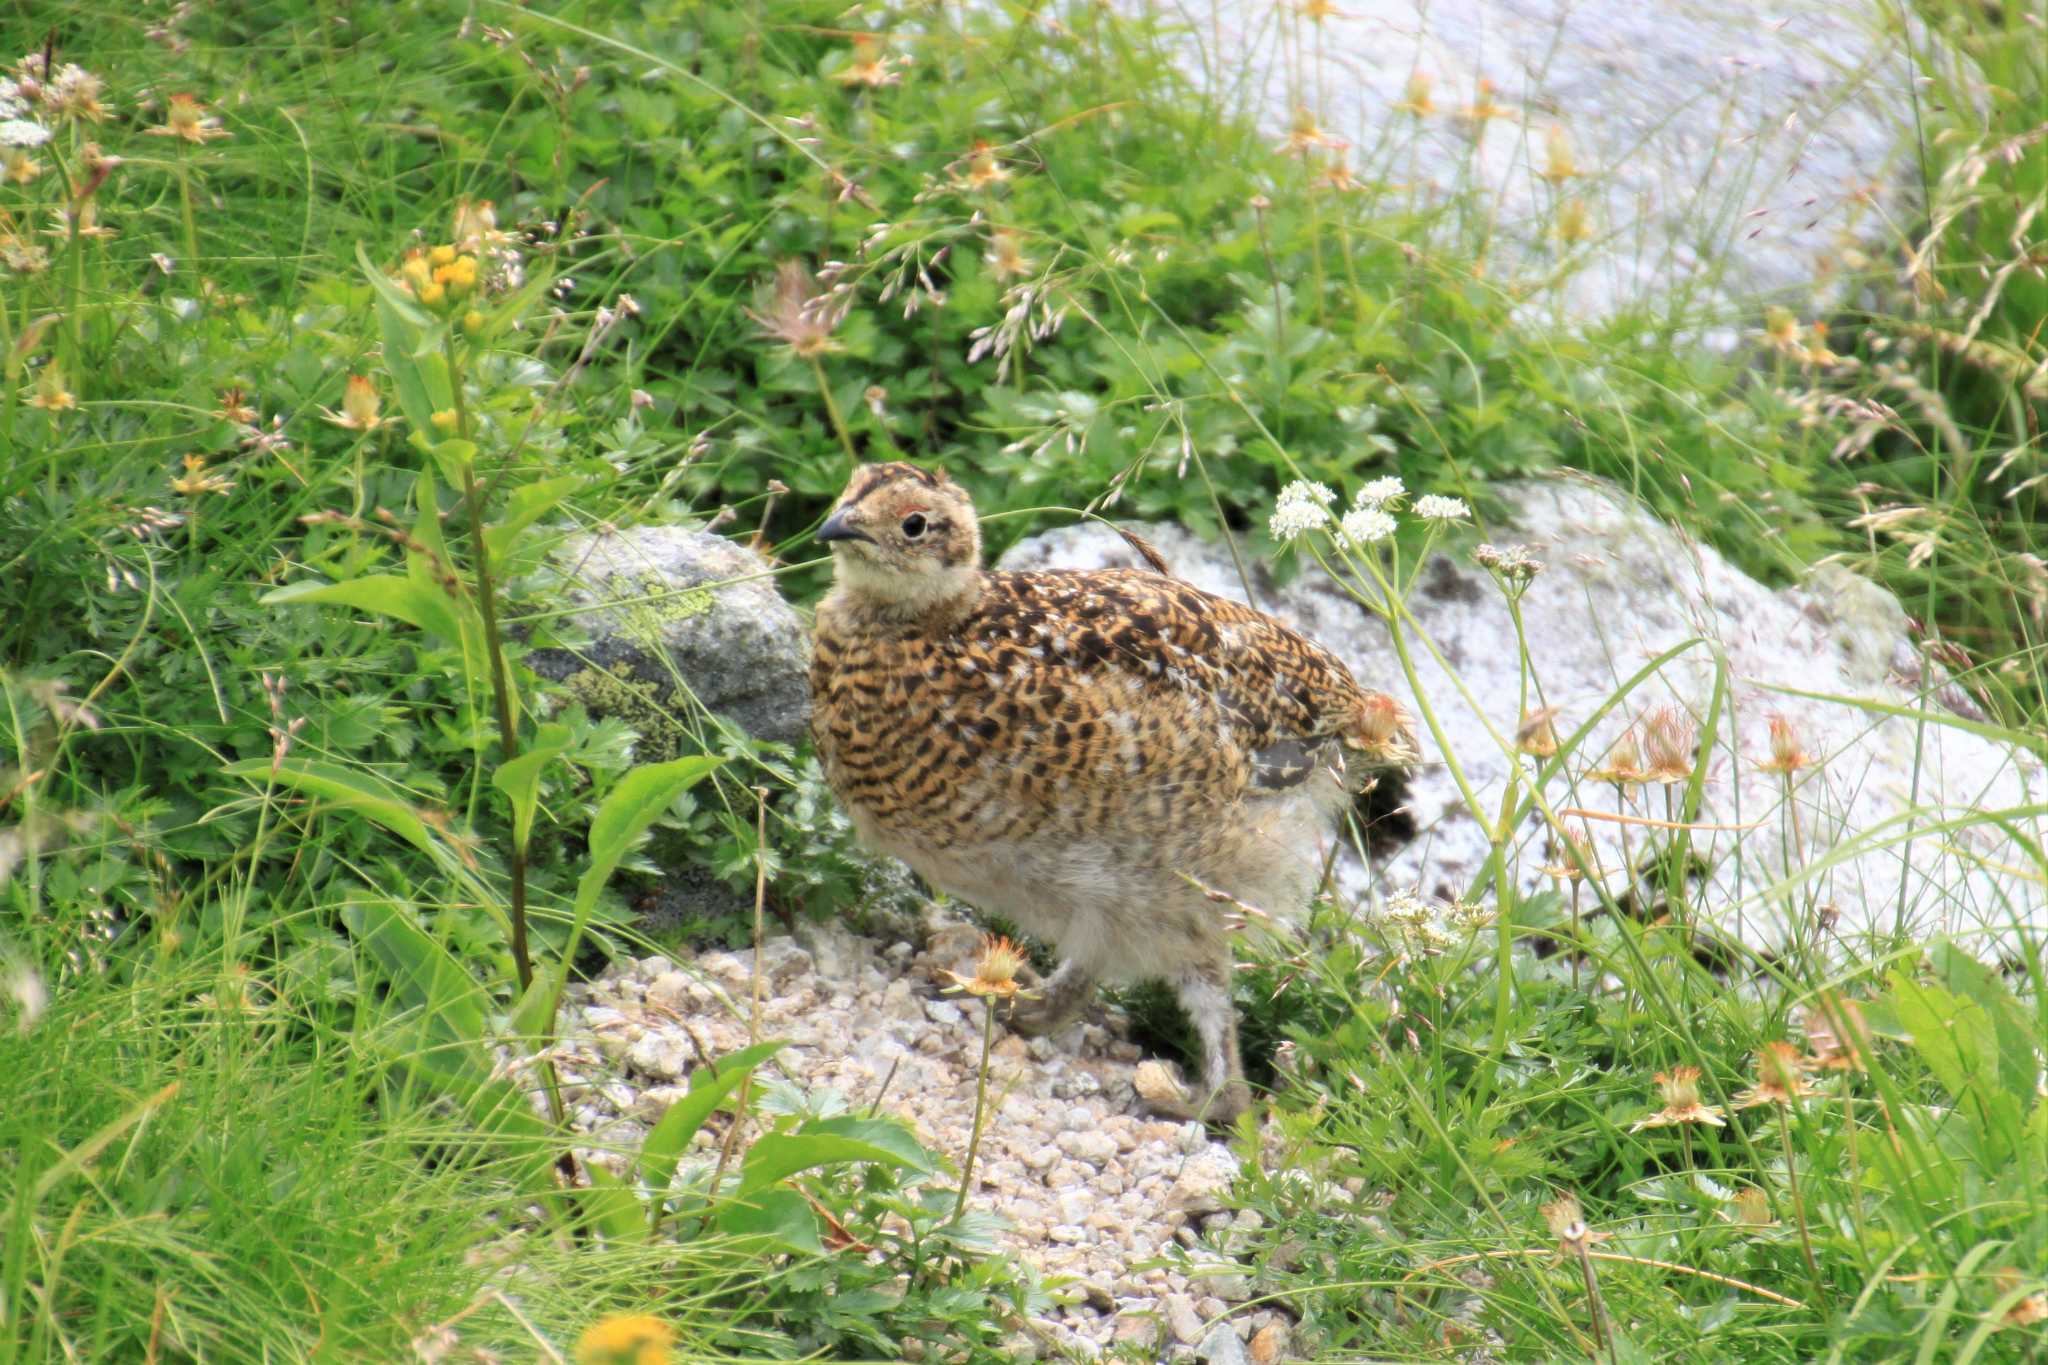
pixel 1726 153
pixel 671 615
pixel 1620 589
pixel 1181 1319
pixel 1222 1346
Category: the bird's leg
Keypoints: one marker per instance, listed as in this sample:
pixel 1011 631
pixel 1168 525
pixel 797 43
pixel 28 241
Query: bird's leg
pixel 1205 994
pixel 1056 1002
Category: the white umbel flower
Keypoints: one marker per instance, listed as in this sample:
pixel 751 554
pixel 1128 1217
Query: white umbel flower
pixel 1367 525
pixel 1436 507
pixel 21 132
pixel 1303 506
pixel 1379 491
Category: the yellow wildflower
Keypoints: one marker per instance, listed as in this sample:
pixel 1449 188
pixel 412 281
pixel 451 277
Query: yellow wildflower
pixel 18 166
pixel 870 65
pixel 197 482
pixel 1416 99
pixel 1574 222
pixel 235 408
pixel 1005 256
pixel 1680 1088
pixel 1788 752
pixel 445 420
pixel 51 394
pixel 626 1339
pixel 1778 1078
pixel 1484 106
pixel 984 168
pixel 1305 136
pixel 1559 165
pixel 186 118
pixel 995 971
pixel 359 406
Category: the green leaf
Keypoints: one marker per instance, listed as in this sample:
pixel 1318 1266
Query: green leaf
pixel 424 975
pixel 784 1217
pixel 519 778
pixel 409 333
pixel 524 507
pixel 635 803
pixel 777 1156
pixel 709 1085
pixel 611 1205
pixel 350 788
pixel 2019 1041
pixel 409 600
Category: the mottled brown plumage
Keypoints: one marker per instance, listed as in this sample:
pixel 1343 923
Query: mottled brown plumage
pixel 1090 754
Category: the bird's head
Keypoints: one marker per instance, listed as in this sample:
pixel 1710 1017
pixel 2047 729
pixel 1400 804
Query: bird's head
pixel 904 540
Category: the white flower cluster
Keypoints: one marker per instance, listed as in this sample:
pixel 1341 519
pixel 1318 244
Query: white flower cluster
pixel 1435 507
pixel 1367 524
pixel 1303 506
pixel 1380 492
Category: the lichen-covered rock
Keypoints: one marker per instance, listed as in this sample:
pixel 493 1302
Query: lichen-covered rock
pixel 1832 658
pixel 677 618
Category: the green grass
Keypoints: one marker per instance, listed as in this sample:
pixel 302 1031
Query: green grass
pixel 265 857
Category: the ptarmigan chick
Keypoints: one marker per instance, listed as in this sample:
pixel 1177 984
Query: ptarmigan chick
pixel 1092 755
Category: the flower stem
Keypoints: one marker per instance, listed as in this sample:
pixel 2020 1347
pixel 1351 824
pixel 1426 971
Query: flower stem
pixel 988 1033
pixel 832 411
pixel 1820 1293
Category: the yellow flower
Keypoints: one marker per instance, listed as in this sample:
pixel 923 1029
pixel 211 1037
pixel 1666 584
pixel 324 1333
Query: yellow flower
pixel 197 482
pixel 18 166
pixel 1837 1037
pixel 359 406
pixel 1778 1078
pixel 1788 753
pixel 1536 736
pixel 441 255
pixel 433 293
pixel 1574 222
pixel 185 118
pixel 626 1339
pixel 870 64
pixel 472 322
pixel 51 395
pixel 1667 743
pixel 1559 165
pixel 1305 135
pixel 1680 1088
pixel 1005 256
pixel 983 167
pixel 1565 869
pixel 1752 1208
pixel 1623 765
pixel 235 408
pixel 1484 106
pixel 995 971
pixel 1415 100
pixel 445 420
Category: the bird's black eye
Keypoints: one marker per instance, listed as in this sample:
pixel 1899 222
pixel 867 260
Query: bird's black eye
pixel 913 525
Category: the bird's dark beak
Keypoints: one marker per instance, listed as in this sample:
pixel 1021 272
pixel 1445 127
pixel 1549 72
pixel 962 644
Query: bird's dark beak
pixel 836 528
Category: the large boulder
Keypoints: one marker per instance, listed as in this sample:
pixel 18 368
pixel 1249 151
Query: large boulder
pixel 678 622
pixel 1724 153
pixel 1879 835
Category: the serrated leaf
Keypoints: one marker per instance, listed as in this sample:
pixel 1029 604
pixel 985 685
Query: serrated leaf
pixel 784 1217
pixel 777 1156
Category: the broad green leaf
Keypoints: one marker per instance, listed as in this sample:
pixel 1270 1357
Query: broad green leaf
pixel 519 778
pixel 885 1133
pixel 424 975
pixel 524 507
pixel 709 1085
pixel 351 788
pixel 2019 1041
pixel 784 1217
pixel 635 803
pixel 611 1205
pixel 777 1156
pixel 409 600
pixel 409 332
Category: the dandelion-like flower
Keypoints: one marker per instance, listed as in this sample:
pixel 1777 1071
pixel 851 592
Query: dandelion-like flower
pixel 1565 869
pixel 186 119
pixel 995 971
pixel 984 168
pixel 1680 1089
pixel 626 1339
pixel 1751 1208
pixel 798 316
pixel 1574 222
pixel 1567 1222
pixel 1667 745
pixel 1559 164
pixel 1381 491
pixel 1536 736
pixel 871 65
pixel 1484 106
pixel 234 407
pixel 198 481
pixel 1623 765
pixel 1304 135
pixel 1837 1036
pixel 1005 256
pixel 17 167
pixel 1367 525
pixel 1415 99
pixel 51 393
pixel 1788 753
pixel 359 406
pixel 1436 507
pixel 1779 1079
pixel 1385 732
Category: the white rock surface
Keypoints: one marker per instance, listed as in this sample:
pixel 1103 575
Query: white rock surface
pixel 1620 589
pixel 1731 150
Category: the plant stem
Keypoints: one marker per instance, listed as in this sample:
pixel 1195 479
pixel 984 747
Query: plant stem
pixel 988 1034
pixel 832 411
pixel 494 648
pixel 1820 1293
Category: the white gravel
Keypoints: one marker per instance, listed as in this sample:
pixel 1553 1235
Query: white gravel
pixel 1123 1215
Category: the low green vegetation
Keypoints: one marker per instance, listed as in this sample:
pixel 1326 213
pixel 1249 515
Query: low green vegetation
pixel 322 326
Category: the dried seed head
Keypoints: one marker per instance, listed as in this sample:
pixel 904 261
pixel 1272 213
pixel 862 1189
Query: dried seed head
pixel 1788 752
pixel 1535 736
pixel 1680 1090
pixel 1778 1077
pixel 1837 1037
pixel 1667 745
pixel 995 971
